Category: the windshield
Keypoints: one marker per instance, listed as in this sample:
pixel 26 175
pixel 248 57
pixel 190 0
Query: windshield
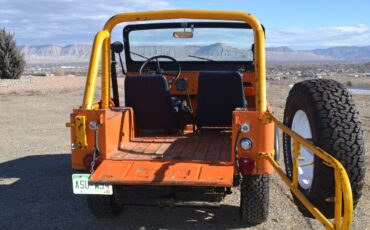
pixel 206 44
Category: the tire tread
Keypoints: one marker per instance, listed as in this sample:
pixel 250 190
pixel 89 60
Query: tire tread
pixel 254 198
pixel 338 132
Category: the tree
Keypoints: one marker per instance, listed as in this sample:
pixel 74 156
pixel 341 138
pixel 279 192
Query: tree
pixel 11 59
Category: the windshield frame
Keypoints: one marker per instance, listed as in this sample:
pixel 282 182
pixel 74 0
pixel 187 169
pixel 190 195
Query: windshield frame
pixel 133 66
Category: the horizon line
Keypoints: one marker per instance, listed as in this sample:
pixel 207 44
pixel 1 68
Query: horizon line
pixel 267 47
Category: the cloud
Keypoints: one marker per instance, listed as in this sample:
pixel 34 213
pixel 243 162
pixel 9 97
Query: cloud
pixel 357 35
pixel 65 21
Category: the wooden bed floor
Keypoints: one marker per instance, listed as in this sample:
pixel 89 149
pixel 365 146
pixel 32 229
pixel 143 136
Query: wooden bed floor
pixel 213 147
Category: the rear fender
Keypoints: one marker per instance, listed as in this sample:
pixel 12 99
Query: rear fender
pixel 262 135
pixel 116 127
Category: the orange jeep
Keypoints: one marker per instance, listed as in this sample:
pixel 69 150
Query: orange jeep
pixel 193 121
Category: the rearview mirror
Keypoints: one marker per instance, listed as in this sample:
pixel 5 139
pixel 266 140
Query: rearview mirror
pixel 183 34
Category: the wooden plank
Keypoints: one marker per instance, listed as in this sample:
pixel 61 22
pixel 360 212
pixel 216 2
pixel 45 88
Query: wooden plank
pixel 189 150
pixel 163 148
pixel 214 149
pixel 225 154
pixel 129 146
pixel 119 155
pixel 175 150
pixel 202 148
pixel 152 148
pixel 208 147
pixel 140 148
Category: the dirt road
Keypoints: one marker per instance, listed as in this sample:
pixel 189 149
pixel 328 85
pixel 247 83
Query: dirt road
pixel 35 182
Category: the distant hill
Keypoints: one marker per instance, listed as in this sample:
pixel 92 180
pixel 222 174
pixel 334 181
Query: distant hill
pixel 361 53
pixel 173 51
pixel 216 51
pixel 222 51
pixel 279 49
pixel 51 53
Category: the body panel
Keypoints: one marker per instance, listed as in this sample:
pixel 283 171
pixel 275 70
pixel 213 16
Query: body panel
pixel 163 173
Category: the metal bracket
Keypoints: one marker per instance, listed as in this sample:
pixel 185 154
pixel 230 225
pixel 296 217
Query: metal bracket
pixel 267 154
pixel 265 118
pixel 81 136
pixel 70 124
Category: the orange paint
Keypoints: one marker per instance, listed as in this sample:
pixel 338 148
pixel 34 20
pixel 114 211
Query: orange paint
pixel 262 136
pixel 116 127
pixel 162 173
pixel 117 139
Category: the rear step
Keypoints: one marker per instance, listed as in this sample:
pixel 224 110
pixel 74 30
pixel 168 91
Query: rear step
pixel 163 173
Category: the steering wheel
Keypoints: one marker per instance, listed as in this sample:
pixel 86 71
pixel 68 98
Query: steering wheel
pixel 161 71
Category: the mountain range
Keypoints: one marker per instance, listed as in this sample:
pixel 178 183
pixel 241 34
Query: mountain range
pixel 220 50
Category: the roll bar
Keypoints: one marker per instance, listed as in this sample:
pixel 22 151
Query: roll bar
pixel 101 48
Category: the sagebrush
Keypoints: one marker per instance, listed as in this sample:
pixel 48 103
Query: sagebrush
pixel 11 59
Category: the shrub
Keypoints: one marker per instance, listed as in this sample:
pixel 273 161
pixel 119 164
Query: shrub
pixel 11 59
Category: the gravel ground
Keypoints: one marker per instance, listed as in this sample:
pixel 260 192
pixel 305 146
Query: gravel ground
pixel 35 183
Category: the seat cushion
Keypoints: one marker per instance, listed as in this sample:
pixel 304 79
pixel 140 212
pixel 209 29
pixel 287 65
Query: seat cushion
pixel 149 96
pixel 219 93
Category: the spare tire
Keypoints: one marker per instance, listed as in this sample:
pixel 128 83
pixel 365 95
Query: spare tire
pixel 322 111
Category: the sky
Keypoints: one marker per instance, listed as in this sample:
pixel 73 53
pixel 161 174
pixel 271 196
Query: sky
pixel 297 24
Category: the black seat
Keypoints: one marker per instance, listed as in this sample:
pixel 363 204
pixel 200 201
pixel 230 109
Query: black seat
pixel 219 93
pixel 149 96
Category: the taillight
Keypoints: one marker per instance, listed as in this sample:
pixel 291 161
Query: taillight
pixel 246 165
pixel 88 159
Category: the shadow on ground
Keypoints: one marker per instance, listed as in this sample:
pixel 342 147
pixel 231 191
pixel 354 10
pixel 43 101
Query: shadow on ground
pixel 42 199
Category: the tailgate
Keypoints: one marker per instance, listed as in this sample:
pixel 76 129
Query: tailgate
pixel 163 173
